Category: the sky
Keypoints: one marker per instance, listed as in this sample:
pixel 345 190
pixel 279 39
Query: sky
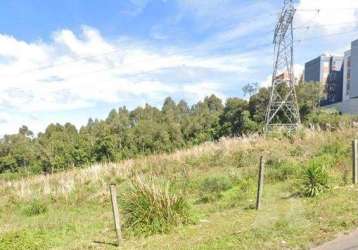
pixel 67 61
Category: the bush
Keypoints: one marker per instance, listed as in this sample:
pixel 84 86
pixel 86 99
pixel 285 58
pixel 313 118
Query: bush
pixel 315 178
pixel 328 119
pixel 150 207
pixel 35 207
pixel 212 187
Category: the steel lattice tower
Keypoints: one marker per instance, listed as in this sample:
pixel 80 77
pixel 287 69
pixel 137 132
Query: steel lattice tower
pixel 282 111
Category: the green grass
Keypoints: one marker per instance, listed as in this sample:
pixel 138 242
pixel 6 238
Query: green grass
pixel 217 181
pixel 35 207
pixel 150 206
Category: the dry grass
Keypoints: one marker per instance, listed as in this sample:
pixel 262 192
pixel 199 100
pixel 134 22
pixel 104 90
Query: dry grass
pixel 63 183
pixel 77 207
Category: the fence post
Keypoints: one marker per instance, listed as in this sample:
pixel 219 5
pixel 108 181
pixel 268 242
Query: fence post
pixel 260 184
pixel 355 161
pixel 117 223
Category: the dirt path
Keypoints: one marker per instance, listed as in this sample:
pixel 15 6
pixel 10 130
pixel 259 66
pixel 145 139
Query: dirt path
pixel 344 242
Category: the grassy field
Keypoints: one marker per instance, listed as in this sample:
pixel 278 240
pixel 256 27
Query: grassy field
pixel 72 210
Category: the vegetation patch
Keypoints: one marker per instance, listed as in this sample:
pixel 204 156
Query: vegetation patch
pixel 26 239
pixel 315 178
pixel 35 207
pixel 243 191
pixel 212 187
pixel 150 207
pixel 281 170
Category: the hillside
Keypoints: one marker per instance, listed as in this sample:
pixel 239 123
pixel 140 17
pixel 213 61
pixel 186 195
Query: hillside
pixel 72 209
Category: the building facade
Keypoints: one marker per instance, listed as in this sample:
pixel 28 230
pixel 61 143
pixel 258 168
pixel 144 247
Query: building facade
pixel 317 70
pixel 347 72
pixel 348 103
pixel 353 88
pixel 327 70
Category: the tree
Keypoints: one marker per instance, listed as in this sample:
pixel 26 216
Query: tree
pixel 145 130
pixel 258 105
pixel 236 120
pixel 308 96
pixel 250 88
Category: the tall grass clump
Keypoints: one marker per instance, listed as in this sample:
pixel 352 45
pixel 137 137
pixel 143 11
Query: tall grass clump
pixel 315 178
pixel 151 207
pixel 35 207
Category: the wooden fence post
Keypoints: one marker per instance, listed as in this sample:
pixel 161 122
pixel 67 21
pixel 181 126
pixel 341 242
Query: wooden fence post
pixel 117 223
pixel 355 161
pixel 260 184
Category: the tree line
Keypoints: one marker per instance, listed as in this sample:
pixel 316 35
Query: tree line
pixel 145 130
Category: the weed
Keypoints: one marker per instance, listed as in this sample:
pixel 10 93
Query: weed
pixel 337 150
pixel 212 187
pixel 150 207
pixel 26 239
pixel 240 193
pixel 35 207
pixel 282 171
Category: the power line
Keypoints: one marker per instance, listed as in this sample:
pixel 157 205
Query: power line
pixel 327 35
pixel 327 9
pixel 54 65
pixel 50 66
pixel 248 50
pixel 323 25
pixel 283 105
pixel 78 59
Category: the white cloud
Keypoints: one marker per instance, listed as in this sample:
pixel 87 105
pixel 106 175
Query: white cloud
pixel 80 71
pixel 333 15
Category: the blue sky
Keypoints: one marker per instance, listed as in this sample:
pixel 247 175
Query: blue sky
pixel 74 59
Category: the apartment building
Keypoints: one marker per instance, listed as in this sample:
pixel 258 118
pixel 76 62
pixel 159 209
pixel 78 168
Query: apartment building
pixel 327 70
pixel 339 76
pixel 347 72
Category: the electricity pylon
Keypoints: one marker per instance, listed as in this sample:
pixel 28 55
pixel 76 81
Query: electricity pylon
pixel 282 111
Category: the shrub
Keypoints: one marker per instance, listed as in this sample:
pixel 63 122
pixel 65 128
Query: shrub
pixel 329 119
pixel 212 187
pixel 315 178
pixel 150 207
pixel 35 207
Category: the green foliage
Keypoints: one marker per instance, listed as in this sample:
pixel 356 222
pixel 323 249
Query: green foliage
pixel 258 105
pixel 281 170
pixel 336 150
pixel 211 188
pixel 35 207
pixel 308 97
pixel 238 195
pixel 328 119
pixel 146 130
pixel 26 239
pixel 151 208
pixel 315 178
pixel 228 169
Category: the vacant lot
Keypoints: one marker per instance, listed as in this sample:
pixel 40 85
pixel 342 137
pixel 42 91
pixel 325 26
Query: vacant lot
pixel 217 182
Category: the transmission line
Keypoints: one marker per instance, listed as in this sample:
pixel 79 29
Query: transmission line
pixel 282 111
